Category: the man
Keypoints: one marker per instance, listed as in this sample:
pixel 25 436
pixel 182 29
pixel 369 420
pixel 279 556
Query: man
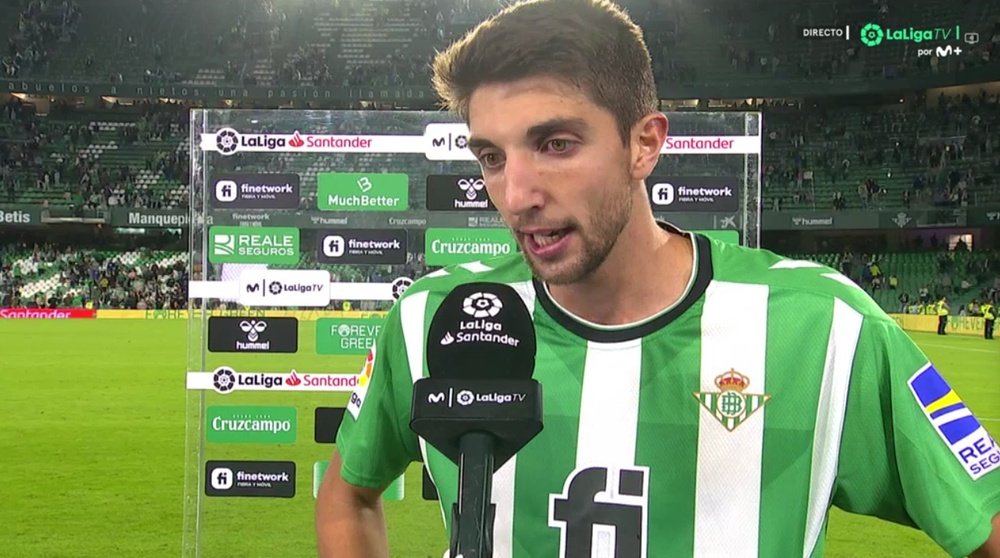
pixel 989 316
pixel 942 313
pixel 712 400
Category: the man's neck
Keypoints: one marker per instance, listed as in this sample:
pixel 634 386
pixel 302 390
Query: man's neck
pixel 622 290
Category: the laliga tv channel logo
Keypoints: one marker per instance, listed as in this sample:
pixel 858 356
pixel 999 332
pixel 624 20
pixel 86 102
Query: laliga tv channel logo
pixel 447 142
pixel 284 287
pixel 225 380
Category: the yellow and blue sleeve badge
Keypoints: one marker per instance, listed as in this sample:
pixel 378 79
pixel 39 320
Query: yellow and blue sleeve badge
pixel 969 442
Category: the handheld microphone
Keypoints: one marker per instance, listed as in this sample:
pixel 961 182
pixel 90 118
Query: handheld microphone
pixel 479 406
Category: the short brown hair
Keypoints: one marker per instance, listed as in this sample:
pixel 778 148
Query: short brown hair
pixel 591 44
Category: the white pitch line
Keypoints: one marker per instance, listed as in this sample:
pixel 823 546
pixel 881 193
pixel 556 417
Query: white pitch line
pixel 996 351
pixel 990 419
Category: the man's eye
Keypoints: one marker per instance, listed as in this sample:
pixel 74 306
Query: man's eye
pixel 489 159
pixel 558 145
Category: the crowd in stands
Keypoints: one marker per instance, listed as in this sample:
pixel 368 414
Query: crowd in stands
pixel 40 24
pixel 87 279
pixel 77 178
pixel 947 151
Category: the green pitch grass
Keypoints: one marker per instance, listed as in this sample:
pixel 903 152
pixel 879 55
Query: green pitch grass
pixel 92 449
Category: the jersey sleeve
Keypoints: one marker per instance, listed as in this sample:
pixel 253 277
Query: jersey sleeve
pixel 912 452
pixel 375 442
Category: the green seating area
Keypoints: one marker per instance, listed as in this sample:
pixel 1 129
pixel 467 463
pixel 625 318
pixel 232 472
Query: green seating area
pixel 914 270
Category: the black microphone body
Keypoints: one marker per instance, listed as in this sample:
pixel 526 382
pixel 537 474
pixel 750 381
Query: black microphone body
pixel 479 406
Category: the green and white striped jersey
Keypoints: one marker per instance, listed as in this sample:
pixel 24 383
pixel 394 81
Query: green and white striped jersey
pixel 724 427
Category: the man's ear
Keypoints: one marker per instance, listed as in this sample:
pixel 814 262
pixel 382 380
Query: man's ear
pixel 648 135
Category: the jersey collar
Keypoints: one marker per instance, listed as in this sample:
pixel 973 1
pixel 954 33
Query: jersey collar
pixel 700 278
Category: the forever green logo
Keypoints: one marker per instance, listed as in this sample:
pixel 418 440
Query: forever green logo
pixel 242 424
pixel 346 336
pixel 872 34
pixel 343 191
pixel 277 245
pixel 456 246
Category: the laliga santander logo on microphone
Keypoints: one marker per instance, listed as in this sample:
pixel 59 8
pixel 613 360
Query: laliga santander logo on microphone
pixel 481 306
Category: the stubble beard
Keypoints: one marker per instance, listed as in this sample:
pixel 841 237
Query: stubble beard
pixel 598 237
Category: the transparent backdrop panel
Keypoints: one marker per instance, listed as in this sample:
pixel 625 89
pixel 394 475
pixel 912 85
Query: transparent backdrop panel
pixel 306 226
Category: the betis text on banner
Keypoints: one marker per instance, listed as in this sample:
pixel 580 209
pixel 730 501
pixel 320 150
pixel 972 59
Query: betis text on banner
pixel 457 246
pixel 342 191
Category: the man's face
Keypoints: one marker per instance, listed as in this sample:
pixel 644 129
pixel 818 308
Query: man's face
pixel 556 168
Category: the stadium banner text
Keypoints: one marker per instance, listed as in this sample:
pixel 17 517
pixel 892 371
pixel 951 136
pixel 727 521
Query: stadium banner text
pixel 303 315
pixel 31 215
pixel 765 88
pixel 961 325
pixel 47 313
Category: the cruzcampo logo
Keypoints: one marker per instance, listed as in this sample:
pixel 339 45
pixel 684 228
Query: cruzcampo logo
pixel 275 245
pixel 457 246
pixel 731 405
pixel 343 191
pixel 347 336
pixel 242 424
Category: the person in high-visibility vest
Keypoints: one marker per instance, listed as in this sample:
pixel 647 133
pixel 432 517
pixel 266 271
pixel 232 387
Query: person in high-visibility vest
pixel 942 312
pixel 989 313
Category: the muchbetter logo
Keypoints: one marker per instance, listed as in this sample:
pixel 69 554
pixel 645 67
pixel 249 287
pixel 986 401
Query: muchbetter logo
pixel 456 246
pixel 276 245
pixel 245 424
pixel 343 191
pixel 482 305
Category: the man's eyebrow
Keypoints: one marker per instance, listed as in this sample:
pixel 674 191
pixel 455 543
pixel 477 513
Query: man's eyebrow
pixel 539 131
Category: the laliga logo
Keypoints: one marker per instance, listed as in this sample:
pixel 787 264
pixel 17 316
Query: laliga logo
pixel 482 305
pixel 465 397
pixel 252 328
pixel 227 140
pixel 471 187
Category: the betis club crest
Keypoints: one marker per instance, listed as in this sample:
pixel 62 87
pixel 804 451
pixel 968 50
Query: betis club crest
pixel 731 405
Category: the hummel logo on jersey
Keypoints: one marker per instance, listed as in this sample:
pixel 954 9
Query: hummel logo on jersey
pixel 730 406
pixel 602 512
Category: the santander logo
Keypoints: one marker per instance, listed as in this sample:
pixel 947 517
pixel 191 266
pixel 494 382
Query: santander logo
pixel 293 379
pixel 296 141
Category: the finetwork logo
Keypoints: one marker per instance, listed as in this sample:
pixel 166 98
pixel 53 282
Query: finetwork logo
pixel 694 193
pixel 274 479
pixel 362 246
pixel 257 191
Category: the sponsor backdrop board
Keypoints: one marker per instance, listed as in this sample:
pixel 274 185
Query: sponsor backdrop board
pixel 297 257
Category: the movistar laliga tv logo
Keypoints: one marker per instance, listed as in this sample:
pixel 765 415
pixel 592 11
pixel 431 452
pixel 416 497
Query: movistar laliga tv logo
pixel 229 141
